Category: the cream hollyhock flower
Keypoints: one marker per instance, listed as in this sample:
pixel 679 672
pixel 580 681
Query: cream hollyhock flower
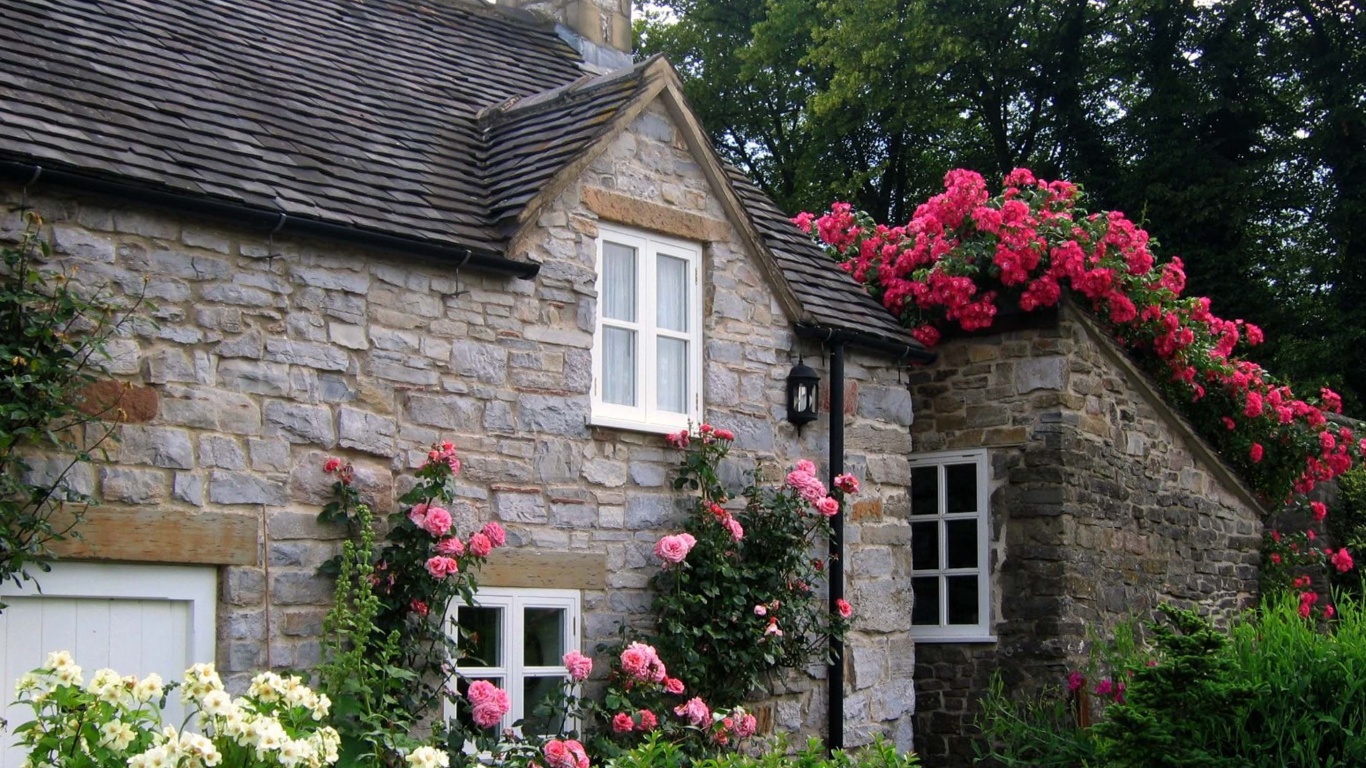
pixel 427 757
pixel 117 735
pixel 149 688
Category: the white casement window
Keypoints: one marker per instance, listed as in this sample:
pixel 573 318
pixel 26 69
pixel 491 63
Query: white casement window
pixel 950 571
pixel 517 639
pixel 647 345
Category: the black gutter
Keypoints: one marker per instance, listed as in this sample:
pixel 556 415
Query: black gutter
pixel 907 352
pixel 271 222
pixel 835 728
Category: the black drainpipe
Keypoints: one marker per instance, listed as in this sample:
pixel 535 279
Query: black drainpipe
pixel 835 341
pixel 271 222
pixel 835 731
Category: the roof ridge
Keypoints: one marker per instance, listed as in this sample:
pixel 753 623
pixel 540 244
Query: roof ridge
pixel 517 107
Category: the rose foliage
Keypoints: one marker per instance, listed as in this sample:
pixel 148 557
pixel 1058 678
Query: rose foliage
pixel 964 254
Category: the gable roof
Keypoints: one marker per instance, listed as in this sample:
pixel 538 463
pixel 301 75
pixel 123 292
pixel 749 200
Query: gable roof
pixel 429 121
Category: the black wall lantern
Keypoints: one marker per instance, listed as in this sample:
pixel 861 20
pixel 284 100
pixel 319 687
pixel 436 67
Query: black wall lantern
pixel 803 385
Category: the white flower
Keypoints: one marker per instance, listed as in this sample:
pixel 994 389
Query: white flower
pixel 321 707
pixel 117 735
pixel 58 660
pixel 217 704
pixel 200 748
pixel 108 686
pixel 427 757
pixel 148 688
pixel 200 680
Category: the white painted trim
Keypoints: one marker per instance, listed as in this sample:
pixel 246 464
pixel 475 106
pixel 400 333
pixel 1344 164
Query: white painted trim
pixel 645 416
pixel 945 632
pixel 196 585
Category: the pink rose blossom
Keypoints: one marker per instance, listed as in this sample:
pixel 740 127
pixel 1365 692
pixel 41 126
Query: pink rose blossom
pixel 1342 560
pixel 418 514
pixel 437 521
pixel 1319 510
pixel 648 721
pixel 489 702
pixel 579 666
pixel 772 628
pixel 745 725
pixel 760 610
pixel 844 608
pixel 440 566
pixel 695 711
pixel 806 485
pixel 804 465
pixel 480 545
pixel 673 685
pixel 451 547
pixel 1255 453
pixel 642 662
pixel 1075 681
pixel 1105 687
pixel 565 754
pixel 673 549
pixel 332 465
pixel 847 483
pixel 679 439
pixel 828 506
pixel 622 723
pixel 495 533
pixel 737 532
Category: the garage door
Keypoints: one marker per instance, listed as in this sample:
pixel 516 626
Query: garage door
pixel 136 619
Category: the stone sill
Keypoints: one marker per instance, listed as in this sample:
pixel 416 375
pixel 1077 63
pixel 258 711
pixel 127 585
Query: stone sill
pixel 965 639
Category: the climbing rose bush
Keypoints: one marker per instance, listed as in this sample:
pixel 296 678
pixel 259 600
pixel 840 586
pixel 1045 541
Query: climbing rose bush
pixel 737 591
pixel 966 254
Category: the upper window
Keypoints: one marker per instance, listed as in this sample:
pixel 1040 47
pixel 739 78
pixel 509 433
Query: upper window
pixel 647 345
pixel 517 639
pixel 950 575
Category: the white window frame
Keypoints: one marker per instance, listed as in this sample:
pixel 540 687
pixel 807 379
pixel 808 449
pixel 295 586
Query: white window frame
pixel 943 632
pixel 512 672
pixel 646 416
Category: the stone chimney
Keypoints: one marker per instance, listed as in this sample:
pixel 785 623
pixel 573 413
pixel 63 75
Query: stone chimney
pixel 599 29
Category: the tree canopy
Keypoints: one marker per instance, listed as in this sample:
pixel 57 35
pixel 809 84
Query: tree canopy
pixel 1233 130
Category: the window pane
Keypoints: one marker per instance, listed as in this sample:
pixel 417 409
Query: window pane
pixel 962 487
pixel 925 546
pixel 482 631
pixel 962 536
pixel 925 610
pixel 925 491
pixel 672 294
pixel 673 375
pixel 618 366
pixel 534 691
pixel 962 599
pixel 543 637
pixel 618 282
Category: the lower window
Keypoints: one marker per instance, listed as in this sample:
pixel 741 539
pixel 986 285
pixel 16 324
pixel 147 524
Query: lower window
pixel 517 639
pixel 950 575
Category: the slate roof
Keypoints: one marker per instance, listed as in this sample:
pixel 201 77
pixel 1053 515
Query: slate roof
pixel 435 120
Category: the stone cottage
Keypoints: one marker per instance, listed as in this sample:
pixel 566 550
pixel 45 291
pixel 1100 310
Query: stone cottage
pixel 363 227
pixel 367 225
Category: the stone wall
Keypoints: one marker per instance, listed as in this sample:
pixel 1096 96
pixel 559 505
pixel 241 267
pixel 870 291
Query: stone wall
pixel 262 357
pixel 1103 505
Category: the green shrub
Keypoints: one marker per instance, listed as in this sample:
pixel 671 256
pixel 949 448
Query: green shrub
pixel 1272 691
pixel 656 752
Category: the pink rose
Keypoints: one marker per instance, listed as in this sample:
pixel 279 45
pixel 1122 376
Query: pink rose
pixel 418 514
pixel 804 465
pixel 437 521
pixel 1075 681
pixel 745 725
pixel 760 610
pixel 806 484
pixel 579 666
pixel 332 465
pixel 564 754
pixel 1255 452
pixel 622 723
pixel 847 483
pixel 673 549
pixel 489 702
pixel 844 608
pixel 648 721
pixel 695 711
pixel 440 566
pixel 635 662
pixel 1342 560
pixel 497 536
pixel 828 506
pixel 724 434
pixel 451 547
pixel 679 439
pixel 480 545
pixel 673 685
pixel 1319 509
pixel 737 532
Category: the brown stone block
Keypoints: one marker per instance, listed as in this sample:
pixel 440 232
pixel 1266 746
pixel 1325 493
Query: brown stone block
pixel 971 438
pixel 118 401
pixel 868 509
pixel 1005 435
pixel 978 353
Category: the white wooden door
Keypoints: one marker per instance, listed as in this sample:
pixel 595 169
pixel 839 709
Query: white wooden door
pixel 136 619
